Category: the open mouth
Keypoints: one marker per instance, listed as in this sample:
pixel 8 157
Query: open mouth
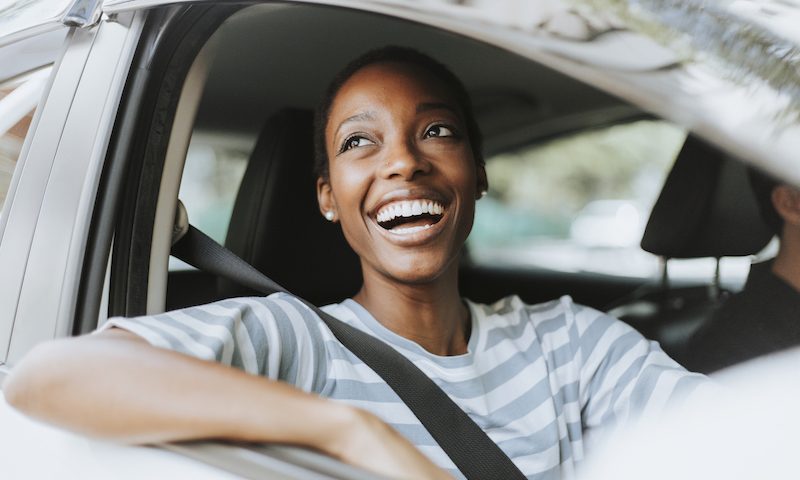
pixel 409 216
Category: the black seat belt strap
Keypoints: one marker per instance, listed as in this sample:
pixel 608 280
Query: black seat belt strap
pixel 467 445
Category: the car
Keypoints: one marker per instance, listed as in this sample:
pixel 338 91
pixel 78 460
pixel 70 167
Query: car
pixel 116 114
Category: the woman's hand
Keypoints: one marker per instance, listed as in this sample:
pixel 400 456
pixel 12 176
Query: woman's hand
pixel 369 443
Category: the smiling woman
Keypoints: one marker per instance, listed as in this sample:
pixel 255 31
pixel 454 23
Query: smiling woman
pixel 397 136
pixel 400 171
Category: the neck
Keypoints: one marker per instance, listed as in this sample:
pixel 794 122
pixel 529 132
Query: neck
pixel 787 263
pixel 430 314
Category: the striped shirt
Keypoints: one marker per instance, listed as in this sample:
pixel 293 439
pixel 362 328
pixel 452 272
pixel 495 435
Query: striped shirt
pixel 536 378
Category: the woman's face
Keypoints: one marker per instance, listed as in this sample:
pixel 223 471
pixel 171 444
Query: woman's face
pixel 402 177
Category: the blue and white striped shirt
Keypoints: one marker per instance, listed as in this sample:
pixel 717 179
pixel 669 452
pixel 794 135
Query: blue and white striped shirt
pixel 536 378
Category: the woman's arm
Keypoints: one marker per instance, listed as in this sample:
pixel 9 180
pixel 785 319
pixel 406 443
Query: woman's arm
pixel 622 374
pixel 115 385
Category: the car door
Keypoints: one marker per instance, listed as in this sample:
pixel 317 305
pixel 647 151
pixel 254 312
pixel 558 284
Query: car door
pixel 31 43
pixel 49 204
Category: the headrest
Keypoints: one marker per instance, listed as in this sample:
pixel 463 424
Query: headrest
pixel 706 208
pixel 276 225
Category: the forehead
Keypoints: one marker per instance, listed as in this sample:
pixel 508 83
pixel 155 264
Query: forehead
pixel 389 84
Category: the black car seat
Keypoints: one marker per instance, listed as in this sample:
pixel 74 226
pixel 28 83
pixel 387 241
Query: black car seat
pixel 276 225
pixel 706 209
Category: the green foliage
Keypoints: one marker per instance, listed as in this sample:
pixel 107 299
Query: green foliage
pixel 564 174
pixel 537 191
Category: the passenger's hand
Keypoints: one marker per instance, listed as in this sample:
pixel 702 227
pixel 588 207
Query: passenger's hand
pixel 371 444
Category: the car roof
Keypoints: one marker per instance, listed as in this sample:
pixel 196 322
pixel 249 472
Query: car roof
pixel 729 71
pixel 515 100
pixel 732 99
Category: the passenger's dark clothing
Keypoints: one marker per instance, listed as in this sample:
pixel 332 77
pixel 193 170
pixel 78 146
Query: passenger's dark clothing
pixel 763 318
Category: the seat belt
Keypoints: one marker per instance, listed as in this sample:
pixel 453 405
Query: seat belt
pixel 467 445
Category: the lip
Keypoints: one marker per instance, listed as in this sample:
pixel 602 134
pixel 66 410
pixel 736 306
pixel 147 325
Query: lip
pixel 419 237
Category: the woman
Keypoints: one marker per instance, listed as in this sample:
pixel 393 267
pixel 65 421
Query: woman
pixel 400 169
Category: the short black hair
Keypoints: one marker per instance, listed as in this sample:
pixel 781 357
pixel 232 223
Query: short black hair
pixel 394 54
pixel 762 186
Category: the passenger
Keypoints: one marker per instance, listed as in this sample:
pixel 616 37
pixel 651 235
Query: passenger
pixel 400 170
pixel 765 316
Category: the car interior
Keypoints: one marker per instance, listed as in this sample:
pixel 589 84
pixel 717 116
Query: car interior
pixel 516 101
pixel 250 75
pixel 706 209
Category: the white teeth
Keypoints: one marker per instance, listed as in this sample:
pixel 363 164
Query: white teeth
pixel 409 208
pixel 409 230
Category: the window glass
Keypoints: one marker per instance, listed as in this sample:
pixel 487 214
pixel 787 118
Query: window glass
pixel 580 204
pixel 18 100
pixel 213 171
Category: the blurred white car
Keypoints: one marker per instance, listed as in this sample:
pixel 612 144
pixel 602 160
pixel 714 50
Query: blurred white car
pixel 111 109
pixel 608 223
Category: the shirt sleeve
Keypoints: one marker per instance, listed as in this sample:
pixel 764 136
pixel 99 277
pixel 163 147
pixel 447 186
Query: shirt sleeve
pixel 622 375
pixel 277 336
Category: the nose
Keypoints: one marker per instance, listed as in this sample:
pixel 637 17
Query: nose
pixel 404 160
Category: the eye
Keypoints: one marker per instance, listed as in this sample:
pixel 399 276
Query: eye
pixel 355 141
pixel 439 131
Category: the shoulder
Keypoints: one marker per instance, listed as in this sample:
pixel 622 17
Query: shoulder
pixel 285 306
pixel 560 313
pixel 579 332
pixel 513 306
pixel 271 319
pixel 559 324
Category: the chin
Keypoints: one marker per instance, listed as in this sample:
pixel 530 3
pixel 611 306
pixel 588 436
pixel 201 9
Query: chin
pixel 416 278
pixel 418 270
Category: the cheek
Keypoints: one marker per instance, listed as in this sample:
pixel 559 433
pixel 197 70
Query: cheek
pixel 463 172
pixel 349 188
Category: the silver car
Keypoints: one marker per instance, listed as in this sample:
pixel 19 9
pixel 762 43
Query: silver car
pixel 116 114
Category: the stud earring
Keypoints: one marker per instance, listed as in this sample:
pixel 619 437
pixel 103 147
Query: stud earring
pixel 329 215
pixel 483 193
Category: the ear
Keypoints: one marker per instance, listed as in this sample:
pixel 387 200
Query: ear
pixel 325 199
pixel 786 201
pixel 483 181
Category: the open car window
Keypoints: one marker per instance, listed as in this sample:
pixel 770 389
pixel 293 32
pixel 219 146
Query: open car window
pixel 579 204
pixel 211 177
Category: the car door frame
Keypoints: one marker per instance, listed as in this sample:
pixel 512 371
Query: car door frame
pixel 108 49
pixel 50 209
pixel 646 84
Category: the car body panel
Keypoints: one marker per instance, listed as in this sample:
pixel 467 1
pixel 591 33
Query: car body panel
pixel 31 53
pixel 21 210
pixel 73 456
pixel 40 282
pixel 61 454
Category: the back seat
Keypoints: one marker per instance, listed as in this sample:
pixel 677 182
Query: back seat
pixel 706 209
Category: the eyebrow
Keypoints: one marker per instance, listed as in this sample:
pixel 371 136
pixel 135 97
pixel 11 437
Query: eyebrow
pixel 363 116
pixel 370 115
